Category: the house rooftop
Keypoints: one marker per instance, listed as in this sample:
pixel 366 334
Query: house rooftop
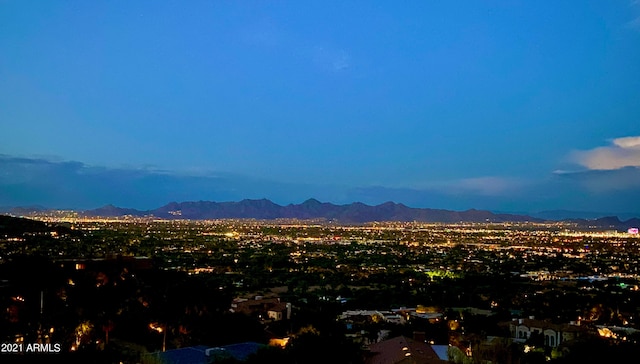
pixel 404 350
pixel 203 354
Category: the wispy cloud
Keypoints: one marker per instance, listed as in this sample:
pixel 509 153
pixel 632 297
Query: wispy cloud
pixel 623 152
pixel 335 60
pixel 264 34
pixel 488 186
pixel 71 184
pixel 604 182
pixel 635 23
pixel 31 181
pixel 477 186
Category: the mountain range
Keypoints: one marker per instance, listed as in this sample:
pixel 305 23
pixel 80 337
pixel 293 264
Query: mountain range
pixel 311 209
pixel 357 212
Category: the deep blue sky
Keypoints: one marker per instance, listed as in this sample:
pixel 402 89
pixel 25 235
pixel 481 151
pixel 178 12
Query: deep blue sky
pixel 506 105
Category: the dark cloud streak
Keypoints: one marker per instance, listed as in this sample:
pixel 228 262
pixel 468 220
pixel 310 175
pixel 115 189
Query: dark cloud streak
pixel 71 184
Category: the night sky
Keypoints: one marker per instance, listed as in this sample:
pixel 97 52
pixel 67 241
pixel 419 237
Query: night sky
pixel 515 106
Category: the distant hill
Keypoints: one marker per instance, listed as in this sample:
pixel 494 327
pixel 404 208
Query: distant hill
pixel 586 215
pixel 13 227
pixel 111 210
pixel 24 210
pixel 607 223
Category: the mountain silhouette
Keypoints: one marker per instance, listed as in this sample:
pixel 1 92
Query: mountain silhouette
pixel 264 209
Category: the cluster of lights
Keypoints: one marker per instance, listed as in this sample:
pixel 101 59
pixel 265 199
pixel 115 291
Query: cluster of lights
pixel 156 327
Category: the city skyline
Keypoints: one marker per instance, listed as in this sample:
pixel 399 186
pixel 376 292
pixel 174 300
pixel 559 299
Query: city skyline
pixel 504 106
